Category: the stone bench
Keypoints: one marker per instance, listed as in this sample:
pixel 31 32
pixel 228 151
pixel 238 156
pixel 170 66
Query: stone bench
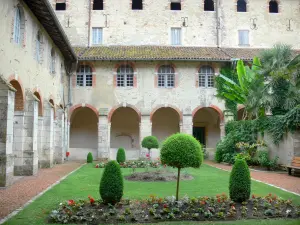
pixel 295 165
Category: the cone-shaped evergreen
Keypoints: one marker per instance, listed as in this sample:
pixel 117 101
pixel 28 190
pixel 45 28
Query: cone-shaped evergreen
pixel 121 156
pixel 111 184
pixel 240 181
pixel 89 158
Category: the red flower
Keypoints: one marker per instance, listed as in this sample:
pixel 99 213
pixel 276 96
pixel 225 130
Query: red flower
pixel 219 200
pixel 67 154
pixel 165 206
pixel 97 166
pixel 202 202
pixel 71 202
pixel 165 165
pixel 92 200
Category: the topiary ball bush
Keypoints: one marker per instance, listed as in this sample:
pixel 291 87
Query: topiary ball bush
pixel 89 158
pixel 111 184
pixel 150 142
pixel 121 156
pixel 181 150
pixel 240 181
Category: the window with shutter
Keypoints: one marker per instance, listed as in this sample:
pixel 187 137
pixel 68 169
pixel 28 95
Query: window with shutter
pixel 97 36
pixel 175 36
pixel 244 37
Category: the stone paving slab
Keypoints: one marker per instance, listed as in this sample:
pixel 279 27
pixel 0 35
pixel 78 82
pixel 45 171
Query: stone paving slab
pixel 281 180
pixel 24 189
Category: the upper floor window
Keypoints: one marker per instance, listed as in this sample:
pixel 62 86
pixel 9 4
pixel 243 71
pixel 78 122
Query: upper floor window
pixel 17 25
pixel 209 5
pixel 137 4
pixel 125 75
pixel 52 61
pixel 175 36
pixel 97 36
pixel 166 76
pixel 84 76
pixel 273 6
pixel 241 6
pixel 98 5
pixel 38 47
pixel 206 76
pixel 244 37
pixel 175 4
pixel 60 5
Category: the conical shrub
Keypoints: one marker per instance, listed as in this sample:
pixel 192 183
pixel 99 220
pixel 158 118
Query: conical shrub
pixel 111 184
pixel 89 158
pixel 121 156
pixel 240 181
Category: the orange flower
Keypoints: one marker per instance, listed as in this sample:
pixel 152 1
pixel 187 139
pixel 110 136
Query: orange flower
pixel 71 202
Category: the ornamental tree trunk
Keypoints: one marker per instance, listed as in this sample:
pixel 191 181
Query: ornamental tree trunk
pixel 178 179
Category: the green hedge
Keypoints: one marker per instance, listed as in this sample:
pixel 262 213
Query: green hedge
pixel 111 184
pixel 240 181
pixel 121 155
pixel 89 158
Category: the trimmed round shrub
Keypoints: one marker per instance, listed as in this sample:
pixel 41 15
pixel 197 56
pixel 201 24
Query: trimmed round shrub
pixel 111 184
pixel 121 156
pixel 240 181
pixel 181 151
pixel 150 142
pixel 89 158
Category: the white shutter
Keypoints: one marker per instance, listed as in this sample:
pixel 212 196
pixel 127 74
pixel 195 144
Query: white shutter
pixel 176 36
pixel 243 37
pixel 97 36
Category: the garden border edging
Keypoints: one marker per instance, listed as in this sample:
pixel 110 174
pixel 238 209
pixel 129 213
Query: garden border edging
pixel 15 212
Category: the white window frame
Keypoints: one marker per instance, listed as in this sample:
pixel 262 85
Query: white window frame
pixel 126 76
pixel 17 26
pixel 240 34
pixel 84 75
pixel 206 76
pixel 97 38
pixel 178 41
pixel 165 77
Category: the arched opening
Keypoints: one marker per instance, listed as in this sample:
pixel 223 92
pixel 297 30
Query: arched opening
pixel 240 114
pixel 273 6
pixel 125 129
pixel 19 96
pixel 206 127
pixel 165 122
pixel 83 133
pixel 40 110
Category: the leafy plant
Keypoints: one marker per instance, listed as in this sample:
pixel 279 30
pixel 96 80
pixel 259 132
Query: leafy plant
pixel 121 156
pixel 240 181
pixel 150 142
pixel 111 184
pixel 89 158
pixel 181 151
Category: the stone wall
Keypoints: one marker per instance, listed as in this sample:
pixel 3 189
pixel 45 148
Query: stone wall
pixel 152 25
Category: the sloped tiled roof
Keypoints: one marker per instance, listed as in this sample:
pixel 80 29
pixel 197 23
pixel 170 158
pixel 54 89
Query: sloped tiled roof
pixel 166 53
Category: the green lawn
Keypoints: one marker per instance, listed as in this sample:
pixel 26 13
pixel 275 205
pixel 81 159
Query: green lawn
pixel 208 181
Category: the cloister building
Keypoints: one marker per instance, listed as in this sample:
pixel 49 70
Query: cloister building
pixel 93 75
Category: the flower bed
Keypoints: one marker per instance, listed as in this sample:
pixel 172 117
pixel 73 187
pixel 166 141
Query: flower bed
pixel 156 209
pixel 134 164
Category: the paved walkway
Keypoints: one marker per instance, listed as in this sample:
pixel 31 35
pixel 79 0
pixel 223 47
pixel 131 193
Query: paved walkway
pixel 282 180
pixel 26 188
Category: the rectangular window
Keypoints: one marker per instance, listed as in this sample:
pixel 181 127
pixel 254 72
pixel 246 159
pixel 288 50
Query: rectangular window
pixel 175 36
pixel 38 50
pixel 202 80
pixel 137 4
pixel 80 80
pixel 161 80
pixel 120 80
pixel 98 5
pixel 60 6
pixel 244 37
pixel 89 80
pixel 97 36
pixel 175 6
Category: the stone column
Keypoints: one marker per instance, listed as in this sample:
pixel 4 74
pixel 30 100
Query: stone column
pixel 59 137
pixel 145 130
pixel 103 136
pixel 19 124
pixel 222 130
pixel 40 137
pixel 7 105
pixel 187 124
pixel 46 158
pixel 30 153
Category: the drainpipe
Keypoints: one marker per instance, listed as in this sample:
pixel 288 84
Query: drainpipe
pixel 89 22
pixel 218 18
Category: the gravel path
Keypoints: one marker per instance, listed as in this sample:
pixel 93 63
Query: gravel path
pixel 26 188
pixel 282 180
